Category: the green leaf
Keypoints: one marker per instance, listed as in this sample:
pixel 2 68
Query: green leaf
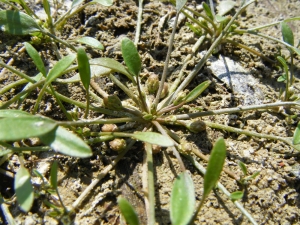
pixel 91 42
pixel 96 71
pixel 221 19
pixel 254 175
pixel 17 23
pixel 197 91
pixel 225 6
pixel 23 189
pixel 215 166
pixel 287 33
pixel 195 29
pixel 84 68
pixel 131 56
pixel 65 142
pixel 207 11
pixel 128 211
pixel 53 175
pixel 180 4
pixel 59 68
pixel 281 78
pixel 103 2
pixel 13 113
pixel 236 195
pixel 17 128
pixel 113 65
pixel 153 138
pixel 182 200
pixel 243 168
pixel 47 9
pixel 284 64
pixel 296 138
pixel 36 58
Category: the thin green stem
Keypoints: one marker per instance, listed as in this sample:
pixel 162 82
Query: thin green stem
pixel 175 152
pixel 202 16
pixel 87 104
pixel 250 133
pixel 249 50
pixel 229 110
pixel 209 31
pixel 142 97
pixel 164 74
pixel 20 74
pixel 39 99
pixel 60 103
pixel 292 70
pixel 19 95
pixel 124 88
pixel 270 38
pixel 12 85
pixel 59 40
pixel 96 121
pixel 139 23
pixel 166 101
pixel 272 24
pixel 150 185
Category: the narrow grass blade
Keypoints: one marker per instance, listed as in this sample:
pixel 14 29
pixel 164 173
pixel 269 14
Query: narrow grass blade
pixel 17 128
pixel 33 53
pixel 53 175
pixel 182 200
pixel 296 138
pixel 17 23
pixel 197 91
pixel 131 56
pixel 207 11
pixel 84 68
pixel 128 211
pixel 153 138
pixel 91 42
pixel 65 142
pixel 215 166
pixel 59 68
pixel 23 189
pixel 287 33
pixel 243 168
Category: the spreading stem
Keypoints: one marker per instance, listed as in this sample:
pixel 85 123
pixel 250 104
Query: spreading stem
pixel 229 111
pixel 150 202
